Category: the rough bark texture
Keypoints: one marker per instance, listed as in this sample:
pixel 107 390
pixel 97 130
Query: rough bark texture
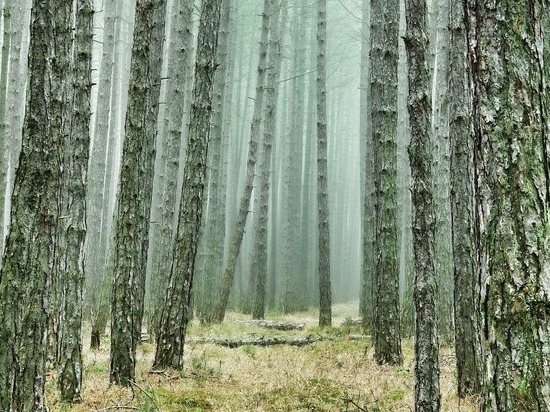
pixel 469 361
pixel 72 221
pixel 237 235
pixel 163 232
pixel 427 396
pixel 211 247
pixel 325 302
pixel 135 189
pixel 383 83
pixel 513 200
pixel 101 152
pixel 366 300
pixel 13 69
pixel 177 306
pixel 261 219
pixel 56 119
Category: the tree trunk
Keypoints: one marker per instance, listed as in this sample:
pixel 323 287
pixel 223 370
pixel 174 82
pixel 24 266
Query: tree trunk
pixel 213 238
pixel 56 119
pixel 383 79
pixel 366 300
pixel 513 198
pixel 469 360
pixel 98 237
pixel 72 223
pixel 13 69
pixel 177 305
pixel 164 213
pixel 237 235
pixel 259 251
pixel 136 185
pixel 325 302
pixel 427 396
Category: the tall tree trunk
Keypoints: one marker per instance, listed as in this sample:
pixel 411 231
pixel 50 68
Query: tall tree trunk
pixel 98 237
pixel 177 305
pixel 13 69
pixel 57 118
pixel 136 186
pixel 325 302
pixel 440 133
pixel 366 301
pixel 164 213
pixel 237 235
pixel 118 102
pixel 469 360
pixel 261 219
pixel 383 80
pixel 427 396
pixel 513 199
pixel 210 261
pixel 72 222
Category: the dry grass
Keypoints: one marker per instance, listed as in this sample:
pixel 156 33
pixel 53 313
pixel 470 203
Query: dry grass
pixel 324 376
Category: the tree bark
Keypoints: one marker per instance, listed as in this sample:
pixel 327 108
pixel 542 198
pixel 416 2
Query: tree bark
pixel 383 80
pixel 164 214
pixel 366 300
pixel 325 302
pixel 237 235
pixel 469 360
pixel 512 199
pixel 99 181
pixel 136 185
pixel 427 396
pixel 177 305
pixel 211 247
pixel 72 222
pixel 56 119
pixel 261 219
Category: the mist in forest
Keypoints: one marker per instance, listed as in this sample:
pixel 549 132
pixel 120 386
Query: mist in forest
pixel 364 178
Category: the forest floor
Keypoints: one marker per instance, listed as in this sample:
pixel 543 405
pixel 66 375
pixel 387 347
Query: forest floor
pixel 334 375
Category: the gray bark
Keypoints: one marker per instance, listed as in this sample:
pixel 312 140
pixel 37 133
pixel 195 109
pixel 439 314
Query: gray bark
pixel 135 189
pixel 237 235
pixel 72 222
pixel 213 238
pixel 261 218
pixel 56 118
pixel 512 200
pixel 383 82
pixel 325 302
pixel 426 366
pixel 164 214
pixel 469 361
pixel 177 305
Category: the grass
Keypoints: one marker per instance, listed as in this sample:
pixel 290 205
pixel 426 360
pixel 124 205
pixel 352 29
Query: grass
pixel 323 376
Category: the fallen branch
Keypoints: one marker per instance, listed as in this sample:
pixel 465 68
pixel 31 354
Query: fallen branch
pixel 270 324
pixel 272 341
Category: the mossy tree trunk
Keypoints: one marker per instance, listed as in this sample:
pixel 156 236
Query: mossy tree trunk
pixel 179 57
pixel 513 200
pixel 426 366
pixel 177 306
pixel 135 189
pixel 383 91
pixel 468 348
pixel 47 226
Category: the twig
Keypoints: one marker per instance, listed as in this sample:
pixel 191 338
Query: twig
pixel 146 394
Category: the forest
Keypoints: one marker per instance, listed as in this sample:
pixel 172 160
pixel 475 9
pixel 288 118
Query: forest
pixel 275 205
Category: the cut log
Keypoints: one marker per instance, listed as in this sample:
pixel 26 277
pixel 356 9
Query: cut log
pixel 270 324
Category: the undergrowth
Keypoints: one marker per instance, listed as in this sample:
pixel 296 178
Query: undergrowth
pixel 332 375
